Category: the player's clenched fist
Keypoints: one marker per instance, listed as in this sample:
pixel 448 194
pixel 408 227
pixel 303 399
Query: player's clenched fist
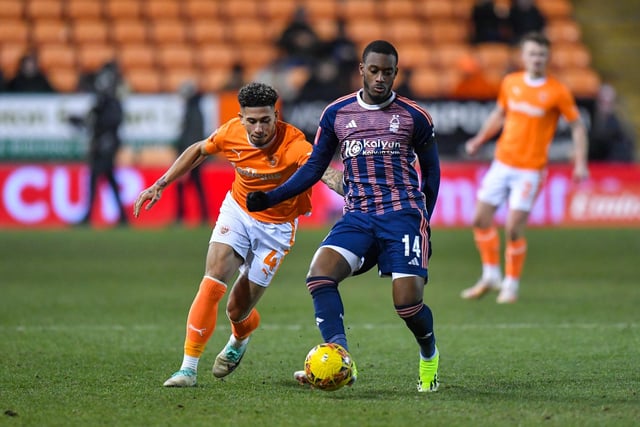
pixel 257 201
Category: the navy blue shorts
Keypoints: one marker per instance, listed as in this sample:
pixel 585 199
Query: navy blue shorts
pixel 400 239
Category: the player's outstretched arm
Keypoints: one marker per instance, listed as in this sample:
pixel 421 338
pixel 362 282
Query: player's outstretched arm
pixel 580 148
pixel 489 129
pixel 189 159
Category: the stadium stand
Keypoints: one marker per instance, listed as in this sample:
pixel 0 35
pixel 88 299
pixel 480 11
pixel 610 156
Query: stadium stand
pixel 170 38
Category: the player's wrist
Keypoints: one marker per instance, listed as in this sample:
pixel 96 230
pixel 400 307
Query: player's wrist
pixel 161 183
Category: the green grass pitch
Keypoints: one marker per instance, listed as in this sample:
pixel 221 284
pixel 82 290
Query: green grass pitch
pixel 92 322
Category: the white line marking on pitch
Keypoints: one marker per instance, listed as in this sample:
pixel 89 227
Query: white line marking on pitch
pixel 297 327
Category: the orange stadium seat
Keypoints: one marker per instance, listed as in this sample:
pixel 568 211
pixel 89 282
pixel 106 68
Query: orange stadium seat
pixel 12 31
pixel 405 30
pixel 414 55
pixel 38 9
pixel 162 9
pixel 214 56
pixel 281 10
pixel 238 9
pixel 362 31
pixel 11 9
pixel 563 31
pixel 83 9
pixel 175 56
pixel 133 56
pixel 447 56
pixel 92 56
pixel 570 55
pixel 325 9
pixel 167 31
pixel 555 9
pixel 352 10
pixel 257 55
pixel 434 10
pixel 430 83
pixel 122 9
pixel 327 29
pixel 10 54
pixel 207 31
pixel 125 31
pixel 424 83
pixel 583 83
pixel 247 30
pixel 143 80
pixel 213 80
pixel 56 56
pixel 49 31
pixel 63 79
pixel 398 9
pixel 493 56
pixel 447 31
pixel 200 9
pixel 89 31
pixel 172 79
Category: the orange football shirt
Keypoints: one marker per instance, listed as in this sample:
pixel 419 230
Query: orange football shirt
pixel 263 168
pixel 531 118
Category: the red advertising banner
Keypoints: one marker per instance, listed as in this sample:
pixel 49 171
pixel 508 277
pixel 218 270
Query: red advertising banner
pixel 55 195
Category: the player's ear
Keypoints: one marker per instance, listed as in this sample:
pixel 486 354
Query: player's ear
pixel 276 113
pixel 361 69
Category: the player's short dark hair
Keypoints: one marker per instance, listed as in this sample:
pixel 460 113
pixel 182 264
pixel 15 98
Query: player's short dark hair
pixel 536 37
pixel 257 95
pixel 379 46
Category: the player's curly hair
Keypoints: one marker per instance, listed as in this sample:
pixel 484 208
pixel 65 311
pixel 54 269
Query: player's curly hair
pixel 379 46
pixel 257 95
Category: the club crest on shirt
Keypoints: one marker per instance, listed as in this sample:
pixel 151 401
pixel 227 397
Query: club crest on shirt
pixel 224 229
pixel 394 123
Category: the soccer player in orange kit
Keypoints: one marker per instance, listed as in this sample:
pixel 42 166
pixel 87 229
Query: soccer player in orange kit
pixel 527 110
pixel 265 152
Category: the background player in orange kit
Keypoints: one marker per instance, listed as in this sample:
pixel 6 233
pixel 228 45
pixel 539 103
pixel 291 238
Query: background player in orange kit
pixel 527 110
pixel 265 152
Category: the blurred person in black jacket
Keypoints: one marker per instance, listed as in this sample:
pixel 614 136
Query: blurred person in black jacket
pixel 524 17
pixel 192 129
pixel 29 78
pixel 610 140
pixel 103 121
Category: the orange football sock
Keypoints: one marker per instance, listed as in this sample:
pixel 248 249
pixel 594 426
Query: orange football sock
pixel 245 327
pixel 203 314
pixel 488 244
pixel 514 257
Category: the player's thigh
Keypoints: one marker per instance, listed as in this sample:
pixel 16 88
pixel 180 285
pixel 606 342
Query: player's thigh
pixel 230 240
pixel 404 243
pixel 270 243
pixel 524 187
pixel 494 188
pixel 351 237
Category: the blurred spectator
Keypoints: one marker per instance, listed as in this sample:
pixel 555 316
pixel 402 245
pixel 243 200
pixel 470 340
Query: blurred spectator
pixel 609 139
pixel 474 83
pixel 29 77
pixel 488 25
pixel 298 40
pixel 103 121
pixel 524 17
pixel 2 83
pixel 236 79
pixel 343 50
pixel 192 131
pixel 404 88
pixel 324 83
